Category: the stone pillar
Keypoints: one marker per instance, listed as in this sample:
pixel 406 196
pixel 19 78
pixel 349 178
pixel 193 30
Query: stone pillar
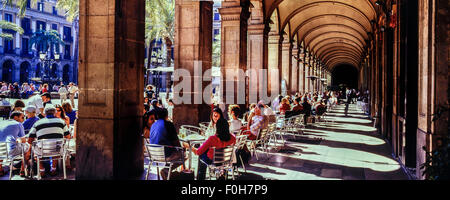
pixel 433 76
pixel 234 17
pixel 257 50
pixel 273 55
pixel 301 77
pixel 193 48
pixel 18 40
pixel 1 30
pixel 294 74
pixel 286 52
pixel 307 74
pixel 109 141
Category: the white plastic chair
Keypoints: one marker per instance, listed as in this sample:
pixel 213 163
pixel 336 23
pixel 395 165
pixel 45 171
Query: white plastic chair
pixel 158 158
pixel 7 158
pixel 50 149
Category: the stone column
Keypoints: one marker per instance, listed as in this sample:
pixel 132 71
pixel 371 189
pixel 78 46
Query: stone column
pixel 234 17
pixel 1 30
pixel 307 73
pixel 301 77
pixel 273 54
pixel 257 50
pixel 109 141
pixel 193 48
pixel 18 39
pixel 286 52
pixel 294 74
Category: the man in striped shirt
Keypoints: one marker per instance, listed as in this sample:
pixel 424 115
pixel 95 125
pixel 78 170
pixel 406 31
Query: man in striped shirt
pixel 49 127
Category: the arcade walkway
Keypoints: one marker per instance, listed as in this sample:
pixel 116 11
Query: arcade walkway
pixel 346 149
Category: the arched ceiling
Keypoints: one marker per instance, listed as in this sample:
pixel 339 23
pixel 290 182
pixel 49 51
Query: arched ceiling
pixel 337 31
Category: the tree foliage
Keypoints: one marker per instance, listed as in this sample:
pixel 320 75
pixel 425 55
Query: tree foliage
pixel 71 8
pixel 5 25
pixel 21 5
pixel 46 39
pixel 160 20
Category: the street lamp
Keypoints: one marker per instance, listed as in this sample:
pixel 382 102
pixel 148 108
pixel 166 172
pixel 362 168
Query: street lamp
pixel 48 65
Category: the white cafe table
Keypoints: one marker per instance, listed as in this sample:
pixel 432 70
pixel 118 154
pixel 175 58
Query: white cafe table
pixel 191 140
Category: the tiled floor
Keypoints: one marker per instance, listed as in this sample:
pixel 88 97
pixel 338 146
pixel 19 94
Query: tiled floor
pixel 347 148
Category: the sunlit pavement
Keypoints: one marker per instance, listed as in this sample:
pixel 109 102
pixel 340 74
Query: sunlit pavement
pixel 343 148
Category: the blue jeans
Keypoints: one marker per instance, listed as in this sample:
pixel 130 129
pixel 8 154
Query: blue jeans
pixel 201 169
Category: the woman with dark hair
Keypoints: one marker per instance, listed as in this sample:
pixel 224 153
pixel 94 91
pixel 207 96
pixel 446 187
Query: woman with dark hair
pixel 216 114
pixel 61 114
pixel 220 140
pixel 68 111
pixel 149 119
pixel 18 106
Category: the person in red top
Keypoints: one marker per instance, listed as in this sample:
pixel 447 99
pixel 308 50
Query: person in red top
pixel 285 106
pixel 220 140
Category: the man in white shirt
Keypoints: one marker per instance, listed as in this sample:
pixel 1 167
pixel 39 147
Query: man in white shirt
pixel 36 100
pixel 63 93
pixel 73 89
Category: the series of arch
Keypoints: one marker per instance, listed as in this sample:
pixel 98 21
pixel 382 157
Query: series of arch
pixel 334 31
pixel 10 67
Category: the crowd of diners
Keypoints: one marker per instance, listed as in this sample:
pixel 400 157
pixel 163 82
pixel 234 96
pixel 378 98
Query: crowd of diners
pixel 222 129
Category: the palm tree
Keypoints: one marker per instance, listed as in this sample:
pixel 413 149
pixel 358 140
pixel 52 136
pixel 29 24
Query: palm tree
pixel 46 40
pixel 5 25
pixel 21 5
pixel 160 24
pixel 72 9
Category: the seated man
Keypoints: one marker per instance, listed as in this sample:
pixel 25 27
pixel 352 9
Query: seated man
pixel 258 122
pixel 163 132
pixel 296 109
pixel 12 131
pixel 49 127
pixel 30 111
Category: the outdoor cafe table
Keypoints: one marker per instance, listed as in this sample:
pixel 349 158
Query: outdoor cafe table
pixel 191 140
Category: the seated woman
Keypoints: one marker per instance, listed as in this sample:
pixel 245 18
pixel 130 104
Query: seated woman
pixel 220 140
pixel 216 114
pixel 259 122
pixel 235 123
pixel 61 114
pixel 285 106
pixel 72 114
pixel 149 119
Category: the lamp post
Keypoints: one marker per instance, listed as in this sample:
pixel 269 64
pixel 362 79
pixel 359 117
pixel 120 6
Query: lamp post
pixel 48 62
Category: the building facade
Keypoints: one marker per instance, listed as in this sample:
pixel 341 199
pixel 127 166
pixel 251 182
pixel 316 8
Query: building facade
pixel 18 62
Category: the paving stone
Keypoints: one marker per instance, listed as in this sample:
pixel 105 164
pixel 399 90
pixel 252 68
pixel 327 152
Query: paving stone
pixel 331 173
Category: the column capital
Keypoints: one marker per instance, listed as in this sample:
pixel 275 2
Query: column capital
pixel 274 38
pixel 256 29
pixel 234 11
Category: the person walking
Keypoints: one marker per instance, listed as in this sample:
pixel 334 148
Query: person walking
pixel 63 93
pixel 73 89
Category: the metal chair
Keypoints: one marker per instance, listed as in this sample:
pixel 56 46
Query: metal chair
pixel 241 140
pixel 261 142
pixel 158 158
pixel 189 130
pixel 50 149
pixel 7 158
pixel 221 162
pixel 203 125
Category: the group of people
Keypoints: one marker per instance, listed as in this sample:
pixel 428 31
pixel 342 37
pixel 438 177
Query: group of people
pixel 39 119
pixel 28 89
